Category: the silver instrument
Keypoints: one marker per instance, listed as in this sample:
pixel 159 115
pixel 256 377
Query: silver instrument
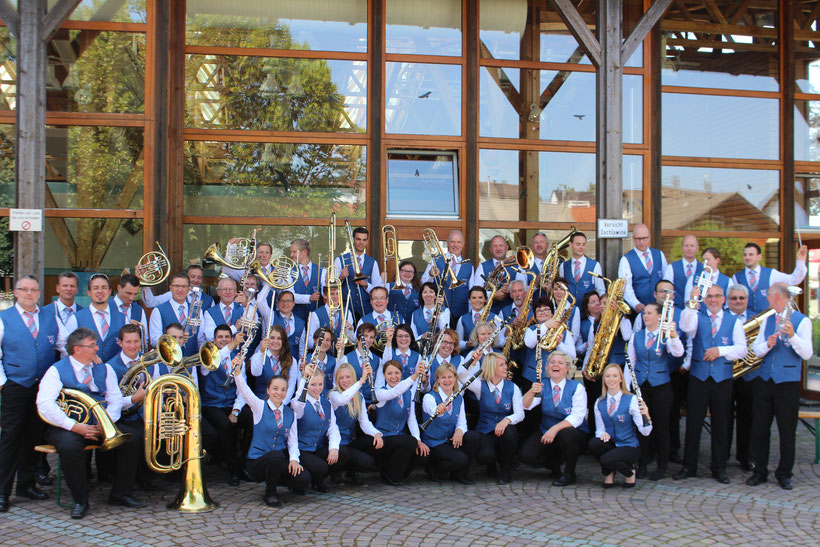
pixel 704 281
pixel 666 320
pixel 786 315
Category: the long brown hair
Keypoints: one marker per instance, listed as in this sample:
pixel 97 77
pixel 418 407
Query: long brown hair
pixel 285 358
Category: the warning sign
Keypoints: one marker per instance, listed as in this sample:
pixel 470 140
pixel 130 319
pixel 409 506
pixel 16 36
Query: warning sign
pixel 26 220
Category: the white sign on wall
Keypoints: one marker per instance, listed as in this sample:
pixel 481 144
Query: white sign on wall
pixel 613 228
pixel 25 220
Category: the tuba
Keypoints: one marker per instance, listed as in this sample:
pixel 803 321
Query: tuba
pixel 549 269
pixel 153 268
pixel 168 351
pixel 390 251
pixel 173 414
pixel 608 328
pixel 207 357
pixel 751 329
pixel 563 314
pixel 81 407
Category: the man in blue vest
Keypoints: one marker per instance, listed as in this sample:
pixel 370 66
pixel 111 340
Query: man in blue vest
pixel 576 270
pixel 178 311
pixel 456 299
pixel 28 336
pixel 125 301
pixel 65 307
pixel 784 343
pixel 681 272
pixel 369 270
pixel 743 389
pixel 717 340
pixel 307 288
pixel 227 312
pixel 79 371
pixel 197 291
pixel 642 267
pixel 498 252
pixel 102 316
pixel 758 278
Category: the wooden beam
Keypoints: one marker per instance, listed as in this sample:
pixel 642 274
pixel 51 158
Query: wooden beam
pixel 9 16
pixel 741 11
pixel 55 16
pixel 787 79
pixel 471 97
pixel 578 28
pixel 377 158
pixel 647 22
pixel 811 17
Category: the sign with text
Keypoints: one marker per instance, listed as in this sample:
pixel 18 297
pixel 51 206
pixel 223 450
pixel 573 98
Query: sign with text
pixel 25 220
pixel 613 228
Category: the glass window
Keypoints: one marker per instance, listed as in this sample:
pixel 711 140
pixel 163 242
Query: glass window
pixel 422 184
pixel 93 244
pixel 807 200
pixel 8 157
pixel 94 167
pixel 323 25
pixel 423 99
pixel 8 70
pixel 711 198
pixel 423 27
pixel 272 94
pixel 120 11
pixel 720 127
pixel 731 250
pixel 806 130
pixel 93 71
pixel 274 180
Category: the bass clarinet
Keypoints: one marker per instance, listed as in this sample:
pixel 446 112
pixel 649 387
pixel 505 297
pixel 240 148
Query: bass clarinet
pixel 635 387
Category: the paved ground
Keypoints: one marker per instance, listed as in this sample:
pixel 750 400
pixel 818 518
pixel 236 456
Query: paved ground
pixel 529 511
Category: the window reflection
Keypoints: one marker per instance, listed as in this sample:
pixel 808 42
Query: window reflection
pixel 422 184
pixel 423 99
pixel 276 180
pixel 8 70
pixel 324 25
pixel 8 156
pixel 709 198
pixel 423 27
pixel 120 11
pixel 263 93
pixel 807 200
pixel 93 244
pixel 806 130
pixel 731 250
pixel 720 127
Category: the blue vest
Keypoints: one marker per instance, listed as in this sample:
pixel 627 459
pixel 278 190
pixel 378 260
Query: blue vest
pixel 585 324
pixel 757 298
pixel 295 336
pixel 267 436
pixel 454 359
pixel 302 310
pixel 359 299
pixel 52 309
pixel 505 313
pixel 412 362
pixel 392 417
pixel 134 310
pixel 456 299
pixel 642 282
pixel 25 358
pixel 585 284
pixel 530 371
pixel 550 414
pixel 487 267
pixel 216 314
pixel 782 364
pixel 260 387
pixel 69 380
pixel 720 369
pixel 312 428
pixel 167 315
pixel 323 318
pixel 468 325
pixel 347 423
pixel 210 386
pixel 373 318
pixel 442 428
pixel 490 412
pixel 619 426
pixel 680 281
pixel 674 362
pixel 420 322
pixel 400 305
pixel 353 359
pixel 119 368
pixel 108 347
pixel 649 365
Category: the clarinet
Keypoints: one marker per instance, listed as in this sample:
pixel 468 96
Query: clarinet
pixel 636 388
pixel 314 360
pixel 243 351
pixel 467 364
pixel 366 361
pixel 427 357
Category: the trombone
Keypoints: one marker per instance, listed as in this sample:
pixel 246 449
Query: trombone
pixel 352 250
pixel 433 247
pixel 153 268
pixel 391 252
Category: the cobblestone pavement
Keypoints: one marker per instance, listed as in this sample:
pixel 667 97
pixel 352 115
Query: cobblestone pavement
pixel 528 511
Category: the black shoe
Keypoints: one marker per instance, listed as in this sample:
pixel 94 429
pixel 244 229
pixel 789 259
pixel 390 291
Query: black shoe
pixel 565 480
pixel 355 478
pixel 336 477
pixel 272 501
pixel 747 466
pixel 464 478
pixel 684 473
pixel 721 477
pixel 555 472
pixel 243 474
pixel 785 483
pixel 125 501
pixel 234 480
pixel 674 458
pixel 629 484
pixel 321 487
pixel 504 476
pixel 756 479
pixel 607 484
pixel 78 510
pixel 32 493
pixel 388 480
pixel 657 474
pixel 4 504
pixel 641 473
pixel 41 479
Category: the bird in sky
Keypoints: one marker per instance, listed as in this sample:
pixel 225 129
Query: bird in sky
pixel 425 95
pixel 579 116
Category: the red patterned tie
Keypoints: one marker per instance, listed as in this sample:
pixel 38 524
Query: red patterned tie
pixel 318 408
pixel 227 316
pixel 277 414
pixel 32 326
pixel 713 318
pixel 577 270
pixel 611 406
pixel 752 280
pixel 650 340
pixel 103 323
pixel 648 260
pixel 182 314
pixel 407 293
pixel 88 378
pixel 305 276
pixel 556 395
pixel 688 270
pixel 497 395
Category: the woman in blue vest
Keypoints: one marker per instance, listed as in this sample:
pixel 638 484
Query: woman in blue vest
pixel 324 358
pixel 618 418
pixel 395 416
pixel 403 302
pixel 446 352
pixel 420 320
pixel 319 438
pixel 361 356
pixel 466 323
pixel 590 310
pixel 400 343
pixel 350 409
pixel 563 433
pixel 452 446
pixel 500 409
pixel 545 323
pixel 274 451
pixel 273 358
pixel 653 364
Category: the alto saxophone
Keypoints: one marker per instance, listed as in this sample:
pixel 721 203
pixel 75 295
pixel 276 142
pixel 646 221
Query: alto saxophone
pixel 563 314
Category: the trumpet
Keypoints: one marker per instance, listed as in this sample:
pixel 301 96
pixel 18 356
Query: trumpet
pixel 667 317
pixel 704 281
pixel 359 276
pixel 433 246
pixel 391 252
pixel 153 268
pixel 193 321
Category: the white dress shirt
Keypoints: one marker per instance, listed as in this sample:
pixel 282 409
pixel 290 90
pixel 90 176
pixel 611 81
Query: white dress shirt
pixel 794 278
pixel 59 310
pixel 257 407
pixel 429 405
pixel 801 342
pixel 689 325
pixel 625 271
pixel 634 411
pixel 669 272
pixel 313 284
pixel 333 435
pixel 387 394
pixel 209 325
pixel 579 400
pixel 143 319
pixel 156 323
pixel 517 405
pixel 341 398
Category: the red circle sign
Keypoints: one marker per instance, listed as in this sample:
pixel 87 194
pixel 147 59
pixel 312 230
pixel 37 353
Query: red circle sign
pixel 26 225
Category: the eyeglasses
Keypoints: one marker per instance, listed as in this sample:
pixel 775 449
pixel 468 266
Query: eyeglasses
pixel 737 298
pixel 92 345
pixel 640 238
pixel 28 290
pixel 180 286
pixel 714 296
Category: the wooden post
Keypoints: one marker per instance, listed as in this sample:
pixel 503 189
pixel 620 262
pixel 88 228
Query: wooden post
pixel 375 102
pixel 787 82
pixel 471 134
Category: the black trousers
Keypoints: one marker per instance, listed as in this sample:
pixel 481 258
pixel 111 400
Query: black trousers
pixel 226 435
pixel 659 401
pixel 593 389
pixel 22 428
pixel 742 397
pixel 614 458
pixel 316 462
pixel 272 468
pixel 445 458
pixel 716 397
pixel 568 444
pixel 71 448
pixel 245 425
pixel 357 460
pixel 498 449
pixel 780 402
pixel 394 457
pixel 680 383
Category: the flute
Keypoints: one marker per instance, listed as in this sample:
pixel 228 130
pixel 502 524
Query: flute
pixel 635 387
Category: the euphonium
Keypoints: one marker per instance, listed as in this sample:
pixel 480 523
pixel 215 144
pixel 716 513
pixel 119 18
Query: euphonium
pixel 751 329
pixel 390 250
pixel 207 357
pixel 563 315
pixel 153 268
pixel 168 352
pixel 549 268
pixel 81 407
pixel 610 321
pixel 172 426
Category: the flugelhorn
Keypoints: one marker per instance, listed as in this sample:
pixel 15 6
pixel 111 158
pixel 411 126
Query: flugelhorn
pixel 81 407
pixel 390 251
pixel 153 268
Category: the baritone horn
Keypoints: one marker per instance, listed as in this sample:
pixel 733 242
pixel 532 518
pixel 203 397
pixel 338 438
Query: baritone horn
pixel 173 412
pixel 82 407
pixel 153 268
pixel 391 252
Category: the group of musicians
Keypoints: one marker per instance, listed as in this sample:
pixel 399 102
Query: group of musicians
pixel 435 372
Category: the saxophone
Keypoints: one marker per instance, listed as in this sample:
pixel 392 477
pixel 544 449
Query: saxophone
pixel 609 323
pixel 549 269
pixel 563 314
pixel 751 328
pixel 517 334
